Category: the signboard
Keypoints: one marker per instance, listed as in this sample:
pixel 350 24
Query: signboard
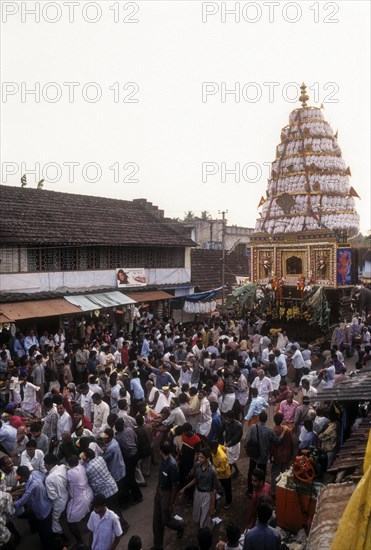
pixel 242 280
pixel 126 278
pixel 344 266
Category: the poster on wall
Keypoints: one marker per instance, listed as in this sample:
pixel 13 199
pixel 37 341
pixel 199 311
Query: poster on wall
pixel 130 277
pixel 344 265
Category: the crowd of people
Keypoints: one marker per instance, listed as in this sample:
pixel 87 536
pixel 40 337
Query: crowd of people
pixel 82 423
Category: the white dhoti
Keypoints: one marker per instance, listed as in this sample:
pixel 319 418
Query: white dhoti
pixel 203 428
pixel 233 453
pixel 276 381
pixel 201 508
pixel 59 507
pixel 228 402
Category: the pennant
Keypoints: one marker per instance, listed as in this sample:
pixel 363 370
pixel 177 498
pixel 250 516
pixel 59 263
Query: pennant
pixel 262 201
pixel 336 135
pixel 348 172
pixel 353 193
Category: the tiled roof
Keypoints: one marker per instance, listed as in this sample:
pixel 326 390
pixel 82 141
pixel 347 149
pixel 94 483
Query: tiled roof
pixel 207 268
pixel 34 216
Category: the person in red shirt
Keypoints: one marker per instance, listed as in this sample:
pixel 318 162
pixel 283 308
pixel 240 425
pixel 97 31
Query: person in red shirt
pixel 280 394
pixel 125 354
pixel 14 420
pixel 191 444
pixel 78 416
pixel 260 489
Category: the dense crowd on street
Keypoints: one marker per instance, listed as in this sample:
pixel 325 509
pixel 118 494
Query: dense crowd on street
pixel 82 424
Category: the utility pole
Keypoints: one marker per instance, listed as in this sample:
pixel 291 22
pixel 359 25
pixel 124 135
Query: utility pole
pixel 223 213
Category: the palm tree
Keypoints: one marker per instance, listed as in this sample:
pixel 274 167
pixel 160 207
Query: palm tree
pixel 205 215
pixel 189 216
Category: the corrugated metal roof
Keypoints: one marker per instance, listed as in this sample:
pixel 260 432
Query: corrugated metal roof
pixel 16 311
pixel 357 387
pixel 90 302
pixel 151 296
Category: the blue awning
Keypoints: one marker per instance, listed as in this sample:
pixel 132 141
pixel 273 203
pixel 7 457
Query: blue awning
pixel 207 295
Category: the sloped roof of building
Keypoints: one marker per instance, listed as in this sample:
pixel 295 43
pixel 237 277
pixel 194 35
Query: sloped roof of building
pixel 34 216
pixel 207 268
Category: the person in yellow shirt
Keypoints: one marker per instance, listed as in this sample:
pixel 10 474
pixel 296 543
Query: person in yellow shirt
pixel 220 462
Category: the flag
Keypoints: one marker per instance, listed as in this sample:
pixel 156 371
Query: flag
pixel 262 201
pixel 336 135
pixel 353 193
pixel 322 107
pixel 24 180
pixel 348 172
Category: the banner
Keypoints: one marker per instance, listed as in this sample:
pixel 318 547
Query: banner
pixel 344 265
pixel 126 278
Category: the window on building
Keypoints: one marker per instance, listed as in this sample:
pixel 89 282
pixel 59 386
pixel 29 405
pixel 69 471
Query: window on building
pixel 102 257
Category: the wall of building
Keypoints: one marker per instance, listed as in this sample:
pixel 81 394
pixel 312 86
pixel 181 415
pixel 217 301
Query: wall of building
pixel 77 281
pixel 208 234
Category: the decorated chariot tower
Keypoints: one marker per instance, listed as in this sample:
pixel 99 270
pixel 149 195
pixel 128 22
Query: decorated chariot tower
pixel 308 214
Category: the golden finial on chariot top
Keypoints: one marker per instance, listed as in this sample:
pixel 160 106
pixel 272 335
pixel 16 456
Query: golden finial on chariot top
pixel 304 96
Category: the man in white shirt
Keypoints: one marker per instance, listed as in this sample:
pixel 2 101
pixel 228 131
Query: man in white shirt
pixel 204 416
pixel 33 458
pixel 308 390
pixel 263 384
pixel 100 414
pixel 298 364
pixel 64 423
pixel 57 489
pixel 85 400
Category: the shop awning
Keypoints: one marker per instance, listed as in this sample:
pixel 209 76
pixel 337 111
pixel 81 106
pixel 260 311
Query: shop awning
pixel 207 295
pixel 151 296
pixel 89 302
pixel 16 311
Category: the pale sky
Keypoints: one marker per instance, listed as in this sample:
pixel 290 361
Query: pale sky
pixel 164 61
